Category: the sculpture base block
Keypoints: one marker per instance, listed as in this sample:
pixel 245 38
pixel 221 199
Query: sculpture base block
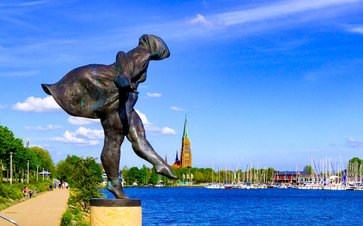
pixel 115 212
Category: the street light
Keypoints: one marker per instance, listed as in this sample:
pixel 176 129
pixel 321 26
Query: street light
pixel 27 175
pixel 11 167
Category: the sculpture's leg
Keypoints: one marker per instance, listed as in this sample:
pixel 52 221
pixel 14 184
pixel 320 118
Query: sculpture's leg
pixel 110 155
pixel 127 102
pixel 143 148
pixel 124 111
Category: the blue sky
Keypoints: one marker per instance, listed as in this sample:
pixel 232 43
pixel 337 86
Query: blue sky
pixel 267 83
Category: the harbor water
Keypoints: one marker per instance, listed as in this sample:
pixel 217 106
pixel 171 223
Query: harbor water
pixel 201 206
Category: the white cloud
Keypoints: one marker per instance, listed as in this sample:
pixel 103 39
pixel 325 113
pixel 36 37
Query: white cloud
pixel 42 146
pixel 351 142
pixel 68 137
pixel 276 10
pixel 167 130
pixel 200 19
pixel 143 118
pixel 44 128
pixel 82 136
pixel 23 4
pixel 154 94
pixel 19 73
pixel 152 128
pixel 357 29
pixel 174 108
pixel 78 121
pixel 34 104
pixel 32 3
pixel 89 133
pixel 254 18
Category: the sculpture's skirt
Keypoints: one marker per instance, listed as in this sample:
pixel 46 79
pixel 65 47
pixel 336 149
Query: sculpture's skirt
pixel 88 91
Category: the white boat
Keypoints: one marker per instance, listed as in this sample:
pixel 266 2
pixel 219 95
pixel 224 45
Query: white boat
pixel 334 187
pixel 214 186
pixel 311 186
pixel 159 185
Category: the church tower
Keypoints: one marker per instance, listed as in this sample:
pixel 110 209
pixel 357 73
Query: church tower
pixel 186 152
pixel 177 161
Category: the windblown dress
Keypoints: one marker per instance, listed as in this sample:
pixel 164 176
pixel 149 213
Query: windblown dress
pixel 88 91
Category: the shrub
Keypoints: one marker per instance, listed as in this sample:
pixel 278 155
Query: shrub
pixel 67 218
pixel 74 217
pixel 10 191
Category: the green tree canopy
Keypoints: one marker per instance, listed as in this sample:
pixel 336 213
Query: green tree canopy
pixel 354 166
pixel 85 177
pixel 65 168
pixel 8 143
pixel 144 175
pixel 309 170
pixel 133 175
pixel 46 159
pixel 154 177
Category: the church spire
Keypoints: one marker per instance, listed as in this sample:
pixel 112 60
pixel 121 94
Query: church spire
pixel 177 157
pixel 185 132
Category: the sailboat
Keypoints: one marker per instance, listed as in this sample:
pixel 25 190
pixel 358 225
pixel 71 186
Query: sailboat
pixel 214 185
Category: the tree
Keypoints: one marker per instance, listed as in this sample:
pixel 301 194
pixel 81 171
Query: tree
pixel 154 177
pixel 133 175
pixel 270 174
pixel 8 143
pixel 85 177
pixel 20 155
pixel 46 159
pixel 124 172
pixel 35 161
pixel 354 166
pixel 65 168
pixel 144 175
pixel 309 170
pixel 199 177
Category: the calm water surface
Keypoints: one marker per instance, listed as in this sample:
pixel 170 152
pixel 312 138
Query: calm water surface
pixel 201 206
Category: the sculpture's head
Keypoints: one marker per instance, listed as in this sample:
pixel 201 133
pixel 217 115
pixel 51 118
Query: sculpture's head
pixel 155 45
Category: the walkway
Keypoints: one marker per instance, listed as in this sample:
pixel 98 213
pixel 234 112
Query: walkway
pixel 45 209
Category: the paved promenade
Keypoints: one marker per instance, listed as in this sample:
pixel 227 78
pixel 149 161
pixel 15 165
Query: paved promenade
pixel 45 209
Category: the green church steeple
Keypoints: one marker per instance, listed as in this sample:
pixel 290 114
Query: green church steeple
pixel 185 132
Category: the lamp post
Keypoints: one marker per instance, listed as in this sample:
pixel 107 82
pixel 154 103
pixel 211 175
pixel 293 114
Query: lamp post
pixel 11 167
pixel 37 172
pixel 27 175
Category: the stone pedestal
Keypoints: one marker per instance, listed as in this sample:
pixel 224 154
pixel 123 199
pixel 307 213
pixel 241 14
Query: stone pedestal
pixel 115 212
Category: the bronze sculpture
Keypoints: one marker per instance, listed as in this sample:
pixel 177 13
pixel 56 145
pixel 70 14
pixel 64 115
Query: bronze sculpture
pixel 109 92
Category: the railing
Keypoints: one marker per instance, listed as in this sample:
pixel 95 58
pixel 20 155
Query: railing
pixel 8 219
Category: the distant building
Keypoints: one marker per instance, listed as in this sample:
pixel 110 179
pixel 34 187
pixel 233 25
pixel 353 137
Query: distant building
pixel 185 152
pixel 177 163
pixel 292 177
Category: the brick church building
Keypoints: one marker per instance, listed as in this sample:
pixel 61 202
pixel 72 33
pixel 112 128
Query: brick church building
pixel 185 152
